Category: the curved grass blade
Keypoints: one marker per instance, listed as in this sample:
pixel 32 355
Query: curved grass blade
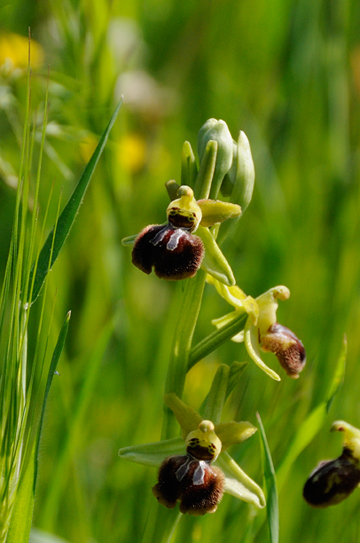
pixel 270 480
pixel 68 214
pixel 313 423
pixel 21 517
pixel 54 361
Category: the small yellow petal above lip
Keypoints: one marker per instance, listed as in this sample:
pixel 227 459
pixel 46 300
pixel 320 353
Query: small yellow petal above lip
pixel 214 211
pixel 351 436
pixel 268 304
pixel 234 432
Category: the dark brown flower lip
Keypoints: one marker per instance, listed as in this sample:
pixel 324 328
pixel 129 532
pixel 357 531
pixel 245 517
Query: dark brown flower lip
pixel 288 348
pixel 195 484
pixel 173 253
pixel 332 481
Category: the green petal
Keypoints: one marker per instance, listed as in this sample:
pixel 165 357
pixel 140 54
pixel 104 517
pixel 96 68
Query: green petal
pixel 214 211
pixel 268 304
pixel 238 484
pixel 233 295
pixel 153 454
pixel 188 419
pixel 252 347
pixel 214 261
pixel 234 432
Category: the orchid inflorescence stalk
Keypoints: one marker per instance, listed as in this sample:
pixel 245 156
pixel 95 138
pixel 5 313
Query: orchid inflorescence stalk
pixel 196 469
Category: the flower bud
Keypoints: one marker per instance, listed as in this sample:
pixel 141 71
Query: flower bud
pixel 218 131
pixel 174 253
pixel 287 347
pixel 332 481
pixel 196 484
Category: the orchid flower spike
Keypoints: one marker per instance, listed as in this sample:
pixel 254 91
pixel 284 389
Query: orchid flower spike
pixel 261 328
pixel 195 470
pixel 332 481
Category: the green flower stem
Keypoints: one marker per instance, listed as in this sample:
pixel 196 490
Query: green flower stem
pixel 216 338
pixel 178 365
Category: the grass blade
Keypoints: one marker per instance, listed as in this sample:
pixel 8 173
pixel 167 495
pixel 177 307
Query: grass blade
pixel 54 361
pixel 313 423
pixel 22 513
pixel 270 480
pixel 68 214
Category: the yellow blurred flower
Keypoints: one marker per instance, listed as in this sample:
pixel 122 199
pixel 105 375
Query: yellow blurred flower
pixel 132 153
pixel 87 147
pixel 14 51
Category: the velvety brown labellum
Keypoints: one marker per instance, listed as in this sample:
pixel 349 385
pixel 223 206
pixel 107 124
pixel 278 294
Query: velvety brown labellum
pixel 196 484
pixel 287 347
pixel 332 481
pixel 174 253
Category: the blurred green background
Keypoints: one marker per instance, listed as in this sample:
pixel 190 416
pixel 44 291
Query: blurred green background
pixel 287 73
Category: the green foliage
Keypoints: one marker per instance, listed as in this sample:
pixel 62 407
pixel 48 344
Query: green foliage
pixel 287 74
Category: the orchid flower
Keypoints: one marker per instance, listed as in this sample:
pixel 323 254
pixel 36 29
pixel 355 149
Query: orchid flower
pixel 261 328
pixel 196 469
pixel 173 250
pixel 334 480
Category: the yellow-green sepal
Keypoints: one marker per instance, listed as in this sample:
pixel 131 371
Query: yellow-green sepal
pixel 214 261
pixel 215 211
pixel 234 432
pixel 186 416
pixel 153 454
pixel 238 484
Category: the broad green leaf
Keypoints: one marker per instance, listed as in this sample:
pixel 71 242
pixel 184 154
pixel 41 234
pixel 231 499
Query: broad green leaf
pixel 270 480
pixel 68 215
